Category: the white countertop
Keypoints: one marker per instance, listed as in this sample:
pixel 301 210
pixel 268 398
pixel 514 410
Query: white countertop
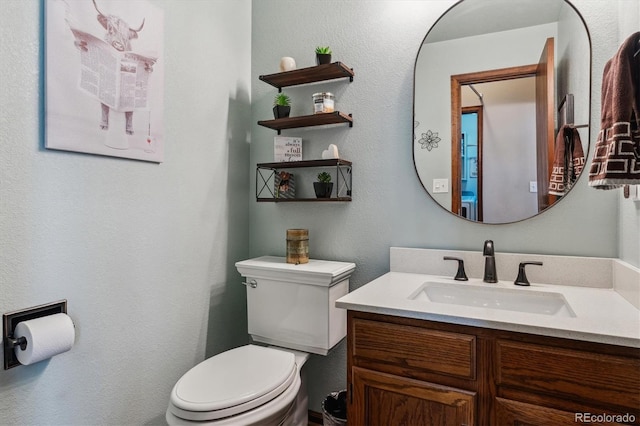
pixel 602 315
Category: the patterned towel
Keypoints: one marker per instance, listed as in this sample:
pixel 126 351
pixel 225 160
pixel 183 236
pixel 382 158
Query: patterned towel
pixel 616 160
pixel 568 161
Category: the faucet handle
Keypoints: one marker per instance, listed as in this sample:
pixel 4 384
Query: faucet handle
pixel 522 276
pixel 460 274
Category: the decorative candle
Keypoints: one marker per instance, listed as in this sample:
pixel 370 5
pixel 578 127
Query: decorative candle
pixel 297 246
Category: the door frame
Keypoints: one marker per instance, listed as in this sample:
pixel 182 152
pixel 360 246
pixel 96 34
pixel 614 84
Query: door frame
pixel 545 126
pixel 457 81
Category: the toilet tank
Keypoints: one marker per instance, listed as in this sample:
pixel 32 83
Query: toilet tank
pixel 293 306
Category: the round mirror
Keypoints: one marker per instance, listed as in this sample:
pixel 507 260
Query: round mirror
pixel 502 107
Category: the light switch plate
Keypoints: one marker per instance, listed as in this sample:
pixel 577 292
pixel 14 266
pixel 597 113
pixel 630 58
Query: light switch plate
pixel 440 185
pixel 533 186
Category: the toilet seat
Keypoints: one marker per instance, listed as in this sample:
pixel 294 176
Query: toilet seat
pixel 233 382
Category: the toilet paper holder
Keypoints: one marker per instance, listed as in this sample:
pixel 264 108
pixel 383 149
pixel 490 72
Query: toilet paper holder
pixel 11 319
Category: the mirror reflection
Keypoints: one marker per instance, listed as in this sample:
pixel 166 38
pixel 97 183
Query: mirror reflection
pixel 501 107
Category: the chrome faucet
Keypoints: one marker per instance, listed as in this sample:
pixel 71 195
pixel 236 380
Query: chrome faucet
pixel 490 274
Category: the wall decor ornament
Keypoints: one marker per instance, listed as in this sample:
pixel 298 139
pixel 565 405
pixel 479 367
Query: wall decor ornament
pixel 104 78
pixel 287 148
pixel 284 185
pixel 429 140
pixel 287 63
pixel 330 152
pixel 297 246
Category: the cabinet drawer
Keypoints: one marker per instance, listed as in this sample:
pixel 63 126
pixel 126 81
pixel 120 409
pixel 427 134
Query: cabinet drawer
pixel 415 348
pixel 567 373
pixel 514 413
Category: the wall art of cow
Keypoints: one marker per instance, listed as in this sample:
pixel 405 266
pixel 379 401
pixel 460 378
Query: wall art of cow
pixel 119 35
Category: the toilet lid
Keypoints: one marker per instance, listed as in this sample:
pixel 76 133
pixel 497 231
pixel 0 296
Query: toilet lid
pixel 234 381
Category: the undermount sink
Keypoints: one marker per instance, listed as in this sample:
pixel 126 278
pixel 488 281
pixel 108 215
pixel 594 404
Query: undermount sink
pixel 518 300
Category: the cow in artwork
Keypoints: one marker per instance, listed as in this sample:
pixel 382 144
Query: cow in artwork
pixel 119 35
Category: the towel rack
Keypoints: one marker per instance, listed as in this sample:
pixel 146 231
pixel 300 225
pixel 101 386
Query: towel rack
pixel 567 103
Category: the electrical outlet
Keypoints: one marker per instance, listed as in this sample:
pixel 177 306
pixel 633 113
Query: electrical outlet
pixel 440 185
pixel 533 186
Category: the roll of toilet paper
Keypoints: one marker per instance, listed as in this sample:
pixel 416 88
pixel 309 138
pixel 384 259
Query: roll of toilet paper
pixel 46 337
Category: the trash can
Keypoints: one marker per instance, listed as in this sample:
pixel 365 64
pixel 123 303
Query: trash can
pixel 334 409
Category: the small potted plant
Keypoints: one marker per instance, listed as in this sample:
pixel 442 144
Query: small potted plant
pixel 323 55
pixel 281 106
pixel 323 186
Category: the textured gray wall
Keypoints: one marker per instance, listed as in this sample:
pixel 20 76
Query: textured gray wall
pixel 144 253
pixel 380 39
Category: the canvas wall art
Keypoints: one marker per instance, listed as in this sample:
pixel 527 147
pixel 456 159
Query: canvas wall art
pixel 104 78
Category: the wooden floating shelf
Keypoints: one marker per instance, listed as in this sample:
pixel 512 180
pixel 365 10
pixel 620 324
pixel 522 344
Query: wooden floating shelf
pixel 305 163
pixel 300 76
pixel 290 200
pixel 273 168
pixel 321 119
pixel 309 75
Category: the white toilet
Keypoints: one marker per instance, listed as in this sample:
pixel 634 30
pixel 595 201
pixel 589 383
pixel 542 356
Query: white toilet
pixel 291 312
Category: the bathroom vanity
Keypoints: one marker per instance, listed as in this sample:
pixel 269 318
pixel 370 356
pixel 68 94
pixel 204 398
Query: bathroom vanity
pixel 416 357
pixel 407 371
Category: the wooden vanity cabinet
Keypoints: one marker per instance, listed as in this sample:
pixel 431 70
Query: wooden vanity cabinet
pixel 404 371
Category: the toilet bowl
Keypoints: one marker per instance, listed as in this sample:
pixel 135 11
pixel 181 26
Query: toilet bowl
pixel 248 385
pixel 290 308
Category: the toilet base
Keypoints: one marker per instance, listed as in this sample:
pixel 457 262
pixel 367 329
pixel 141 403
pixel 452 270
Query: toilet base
pixel 301 404
pixel 282 418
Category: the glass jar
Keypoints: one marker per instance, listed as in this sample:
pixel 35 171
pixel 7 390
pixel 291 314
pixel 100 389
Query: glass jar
pixel 323 102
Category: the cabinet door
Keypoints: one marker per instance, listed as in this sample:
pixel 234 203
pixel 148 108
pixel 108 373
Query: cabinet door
pixel 385 399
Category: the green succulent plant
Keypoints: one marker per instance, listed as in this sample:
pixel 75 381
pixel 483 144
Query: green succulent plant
pixel 282 99
pixel 323 50
pixel 324 177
